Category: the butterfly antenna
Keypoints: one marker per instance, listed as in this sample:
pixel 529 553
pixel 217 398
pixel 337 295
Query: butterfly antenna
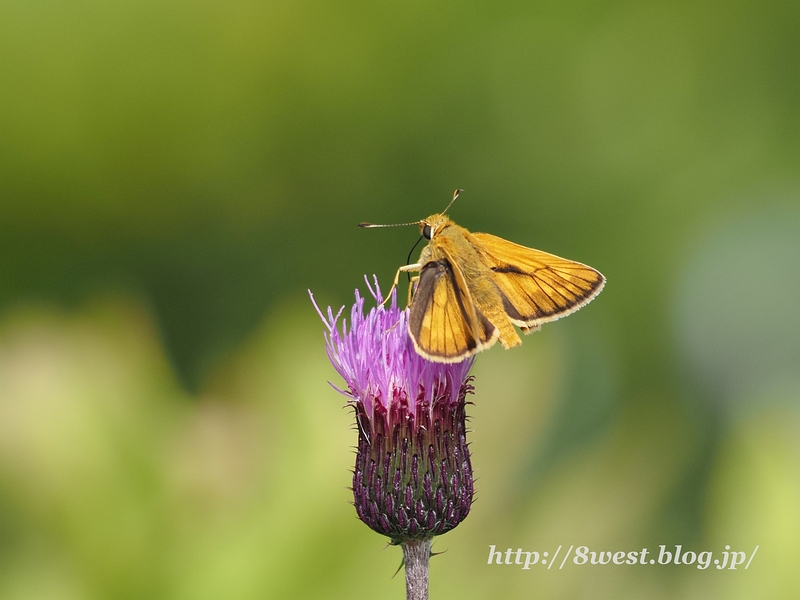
pixel 455 195
pixel 370 225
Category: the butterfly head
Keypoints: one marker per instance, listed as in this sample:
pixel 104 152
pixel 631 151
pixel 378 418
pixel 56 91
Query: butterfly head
pixel 433 225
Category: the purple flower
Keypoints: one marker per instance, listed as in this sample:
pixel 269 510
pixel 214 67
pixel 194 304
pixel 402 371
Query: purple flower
pixel 412 477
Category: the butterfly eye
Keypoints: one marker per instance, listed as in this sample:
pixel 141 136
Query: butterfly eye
pixel 426 232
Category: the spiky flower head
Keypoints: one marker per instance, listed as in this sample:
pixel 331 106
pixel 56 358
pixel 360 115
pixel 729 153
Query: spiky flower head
pixel 412 477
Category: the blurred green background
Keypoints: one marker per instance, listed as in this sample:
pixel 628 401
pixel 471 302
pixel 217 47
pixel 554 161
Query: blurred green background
pixel 175 175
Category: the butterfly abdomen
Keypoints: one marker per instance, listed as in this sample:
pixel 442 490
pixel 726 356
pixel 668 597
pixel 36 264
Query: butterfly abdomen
pixel 454 242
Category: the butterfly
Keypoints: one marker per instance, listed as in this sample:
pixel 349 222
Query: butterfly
pixel 473 288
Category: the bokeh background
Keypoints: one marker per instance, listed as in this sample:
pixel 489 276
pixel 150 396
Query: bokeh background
pixel 175 175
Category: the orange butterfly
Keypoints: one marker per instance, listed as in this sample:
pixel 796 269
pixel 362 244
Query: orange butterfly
pixel 472 289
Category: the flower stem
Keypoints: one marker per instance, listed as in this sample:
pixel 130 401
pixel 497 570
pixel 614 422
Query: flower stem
pixel 416 555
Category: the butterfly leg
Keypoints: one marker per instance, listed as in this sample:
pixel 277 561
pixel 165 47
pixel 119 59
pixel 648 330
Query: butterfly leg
pixel 412 287
pixel 403 269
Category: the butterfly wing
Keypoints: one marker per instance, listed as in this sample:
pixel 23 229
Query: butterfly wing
pixel 537 287
pixel 444 324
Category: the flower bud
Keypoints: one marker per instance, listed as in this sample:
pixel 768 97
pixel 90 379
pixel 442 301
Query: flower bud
pixel 412 477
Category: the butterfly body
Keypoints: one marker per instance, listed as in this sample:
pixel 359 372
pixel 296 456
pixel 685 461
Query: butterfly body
pixel 474 288
pixel 454 244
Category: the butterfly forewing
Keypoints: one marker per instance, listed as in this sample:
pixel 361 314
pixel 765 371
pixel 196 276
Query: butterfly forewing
pixel 537 287
pixel 443 321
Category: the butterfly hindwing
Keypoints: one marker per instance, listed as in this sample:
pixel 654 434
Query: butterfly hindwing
pixel 443 321
pixel 537 287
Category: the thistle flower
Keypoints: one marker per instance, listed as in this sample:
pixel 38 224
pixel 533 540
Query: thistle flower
pixel 412 478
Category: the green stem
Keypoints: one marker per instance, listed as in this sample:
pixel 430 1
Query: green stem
pixel 416 555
